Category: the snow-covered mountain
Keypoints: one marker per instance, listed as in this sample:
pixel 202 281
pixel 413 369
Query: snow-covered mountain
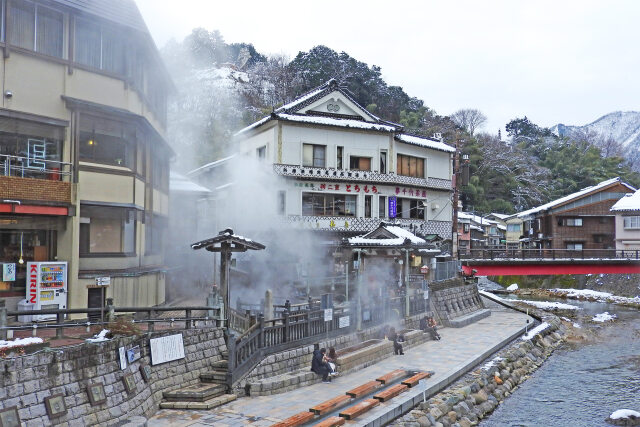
pixel 621 126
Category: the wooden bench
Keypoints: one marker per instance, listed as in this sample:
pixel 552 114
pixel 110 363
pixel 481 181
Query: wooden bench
pixel 330 405
pixel 392 376
pixel 296 420
pixel 331 422
pixel 391 392
pixel 364 389
pixel 413 381
pixel 359 408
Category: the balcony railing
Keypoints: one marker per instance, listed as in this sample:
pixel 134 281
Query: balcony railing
pixel 29 167
pixel 364 225
pixel 330 174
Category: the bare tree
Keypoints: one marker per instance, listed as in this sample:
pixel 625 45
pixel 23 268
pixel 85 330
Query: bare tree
pixel 469 119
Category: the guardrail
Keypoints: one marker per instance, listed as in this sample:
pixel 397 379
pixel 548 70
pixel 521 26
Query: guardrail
pixel 151 316
pixel 491 254
pixel 34 167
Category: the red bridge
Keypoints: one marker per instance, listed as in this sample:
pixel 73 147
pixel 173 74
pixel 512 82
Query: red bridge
pixel 536 262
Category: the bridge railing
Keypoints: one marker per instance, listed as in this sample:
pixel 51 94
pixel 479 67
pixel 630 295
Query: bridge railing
pixel 490 254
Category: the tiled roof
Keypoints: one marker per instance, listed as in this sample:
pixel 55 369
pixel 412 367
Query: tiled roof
pixel 630 202
pixel 425 142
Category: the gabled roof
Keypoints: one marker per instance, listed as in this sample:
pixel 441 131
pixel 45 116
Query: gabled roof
pixel 181 184
pixel 197 171
pixel 630 202
pixel 292 112
pixel 425 142
pixel 573 196
pixel 227 236
pixel 388 234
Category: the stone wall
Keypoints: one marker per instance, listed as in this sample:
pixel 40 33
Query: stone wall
pixel 453 299
pixel 477 394
pixel 26 381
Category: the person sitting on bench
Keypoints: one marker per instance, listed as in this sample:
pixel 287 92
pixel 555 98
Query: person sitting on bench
pixel 319 366
pixel 332 358
pixel 428 324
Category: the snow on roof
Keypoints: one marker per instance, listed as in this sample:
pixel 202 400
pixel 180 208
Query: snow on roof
pixel 180 183
pixel 630 202
pixel 500 216
pixel 400 233
pixel 254 125
pixel 425 142
pixel 572 196
pixel 303 98
pixel 196 171
pixel 331 121
pixel 476 218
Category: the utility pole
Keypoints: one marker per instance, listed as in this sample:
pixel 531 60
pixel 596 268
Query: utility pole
pixel 454 225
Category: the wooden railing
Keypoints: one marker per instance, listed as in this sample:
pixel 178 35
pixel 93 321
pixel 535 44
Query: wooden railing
pixel 551 254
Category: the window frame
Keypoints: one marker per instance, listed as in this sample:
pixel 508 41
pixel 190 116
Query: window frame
pixel 34 49
pixel 573 222
pixel 631 222
pixel 315 149
pixel 574 246
pixel 359 160
pixel 329 202
pixel 410 166
pixel 127 215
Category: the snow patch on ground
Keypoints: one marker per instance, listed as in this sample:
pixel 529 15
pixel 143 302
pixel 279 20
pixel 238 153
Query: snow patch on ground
pixel 604 317
pixel 532 333
pixel 513 287
pixel 548 305
pixel 101 337
pixel 490 295
pixel 20 342
pixel 491 363
pixel 624 413
pixel 597 295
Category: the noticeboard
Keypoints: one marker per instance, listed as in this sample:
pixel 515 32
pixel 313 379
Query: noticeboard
pixel 166 349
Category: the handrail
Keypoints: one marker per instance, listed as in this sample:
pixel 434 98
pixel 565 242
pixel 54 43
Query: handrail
pixel 552 254
pixel 8 164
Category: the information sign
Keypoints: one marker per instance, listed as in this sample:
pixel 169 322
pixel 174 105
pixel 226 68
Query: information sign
pixel 8 272
pixel 123 358
pixel 328 314
pixel 393 203
pixel 103 281
pixel 166 349
pixel 343 322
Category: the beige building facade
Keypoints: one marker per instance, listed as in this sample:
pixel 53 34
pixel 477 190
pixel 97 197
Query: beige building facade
pixel 627 222
pixel 84 166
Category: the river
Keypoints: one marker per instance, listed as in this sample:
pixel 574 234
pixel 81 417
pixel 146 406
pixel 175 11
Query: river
pixel 581 385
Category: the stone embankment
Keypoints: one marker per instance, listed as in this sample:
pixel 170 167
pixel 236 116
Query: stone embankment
pixel 478 393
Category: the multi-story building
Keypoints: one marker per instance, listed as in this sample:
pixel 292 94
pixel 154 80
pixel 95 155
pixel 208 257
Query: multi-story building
pixel 347 169
pixel 627 212
pixel 581 220
pixel 84 166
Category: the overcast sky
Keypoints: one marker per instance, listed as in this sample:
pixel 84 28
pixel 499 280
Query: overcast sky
pixel 553 61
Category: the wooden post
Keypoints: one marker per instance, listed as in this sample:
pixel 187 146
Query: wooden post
pixel 152 326
pixel 261 331
pixel 285 316
pixel 3 320
pixel 187 315
pixel 59 328
pixel 225 255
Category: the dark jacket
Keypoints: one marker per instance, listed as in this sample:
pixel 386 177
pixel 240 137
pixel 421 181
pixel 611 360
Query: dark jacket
pixel 317 365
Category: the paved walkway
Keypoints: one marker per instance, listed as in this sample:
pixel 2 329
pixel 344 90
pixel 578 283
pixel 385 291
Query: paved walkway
pixel 457 348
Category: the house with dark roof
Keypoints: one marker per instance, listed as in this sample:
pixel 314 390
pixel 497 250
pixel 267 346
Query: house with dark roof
pixel 347 169
pixel 84 164
pixel 581 220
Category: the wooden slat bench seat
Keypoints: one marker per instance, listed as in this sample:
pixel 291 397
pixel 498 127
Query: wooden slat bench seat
pixel 296 420
pixel 359 408
pixel 364 389
pixel 330 405
pixel 331 422
pixel 392 376
pixel 413 381
pixel 391 392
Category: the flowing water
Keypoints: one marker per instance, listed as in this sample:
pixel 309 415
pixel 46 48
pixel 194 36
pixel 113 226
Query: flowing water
pixel 581 385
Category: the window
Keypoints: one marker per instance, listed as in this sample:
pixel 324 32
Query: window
pixel 160 172
pixel 107 230
pixel 261 152
pixel 631 222
pixel 36 28
pixel 383 162
pixel 599 238
pixel 382 203
pixel 313 155
pixel 416 209
pixel 410 166
pixel 360 163
pixel 282 202
pixel 513 227
pixel 99 47
pixel 465 228
pixel 154 231
pixel 106 141
pixel 339 157
pixel 573 222
pixel 316 204
pixel 574 246
pixel 367 206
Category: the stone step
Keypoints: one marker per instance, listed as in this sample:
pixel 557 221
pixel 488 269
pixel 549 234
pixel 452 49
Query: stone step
pixel 214 376
pixel 195 393
pixel 221 364
pixel 207 404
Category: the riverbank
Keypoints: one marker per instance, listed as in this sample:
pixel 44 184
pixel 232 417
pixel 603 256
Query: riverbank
pixel 478 393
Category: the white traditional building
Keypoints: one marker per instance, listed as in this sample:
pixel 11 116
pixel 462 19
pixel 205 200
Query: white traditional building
pixel 346 169
pixel 627 211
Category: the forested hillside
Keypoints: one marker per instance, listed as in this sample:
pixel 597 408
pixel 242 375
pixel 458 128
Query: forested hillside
pixel 223 87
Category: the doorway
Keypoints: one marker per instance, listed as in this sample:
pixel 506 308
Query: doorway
pixel 95 300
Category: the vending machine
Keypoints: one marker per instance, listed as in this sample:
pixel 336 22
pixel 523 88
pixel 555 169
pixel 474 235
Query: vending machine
pixel 47 287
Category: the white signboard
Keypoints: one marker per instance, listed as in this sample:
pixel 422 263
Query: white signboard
pixel 103 281
pixel 343 322
pixel 166 349
pixel 123 358
pixel 328 314
pixel 8 272
pixel 425 295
